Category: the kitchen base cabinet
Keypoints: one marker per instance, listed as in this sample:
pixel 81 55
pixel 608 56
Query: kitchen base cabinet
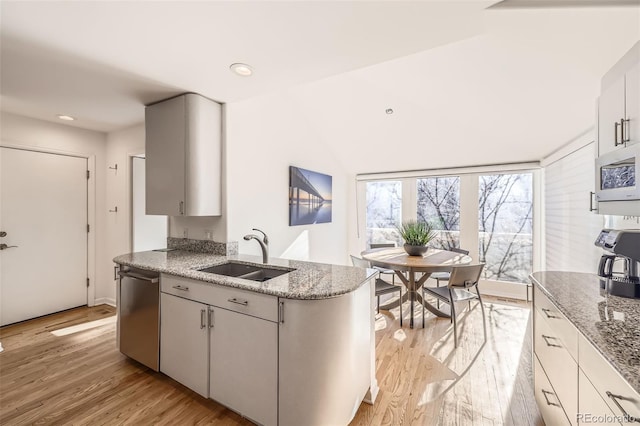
pixel 243 364
pixel 547 399
pixel 591 407
pixel 184 342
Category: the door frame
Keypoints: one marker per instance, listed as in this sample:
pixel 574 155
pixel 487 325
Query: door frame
pixel 91 209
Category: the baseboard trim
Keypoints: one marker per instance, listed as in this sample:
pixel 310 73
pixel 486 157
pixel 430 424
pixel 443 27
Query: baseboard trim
pixel 106 301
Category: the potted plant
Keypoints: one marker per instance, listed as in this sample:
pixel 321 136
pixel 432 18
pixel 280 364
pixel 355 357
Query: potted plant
pixel 416 236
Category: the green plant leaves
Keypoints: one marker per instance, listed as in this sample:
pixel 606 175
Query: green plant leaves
pixel 416 233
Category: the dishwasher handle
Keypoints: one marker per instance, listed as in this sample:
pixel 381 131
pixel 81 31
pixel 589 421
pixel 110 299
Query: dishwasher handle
pixel 152 280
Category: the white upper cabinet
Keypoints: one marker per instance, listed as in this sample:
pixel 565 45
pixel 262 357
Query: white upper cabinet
pixel 183 156
pixel 632 93
pixel 619 104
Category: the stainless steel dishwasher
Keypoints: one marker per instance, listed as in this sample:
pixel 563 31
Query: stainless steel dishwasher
pixel 139 316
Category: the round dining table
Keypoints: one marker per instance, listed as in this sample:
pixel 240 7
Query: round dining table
pixel 434 260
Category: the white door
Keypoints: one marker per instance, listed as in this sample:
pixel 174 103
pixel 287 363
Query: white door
pixel 43 210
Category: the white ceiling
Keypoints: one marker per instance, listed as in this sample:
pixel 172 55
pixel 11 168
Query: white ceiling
pixel 102 61
pixel 515 80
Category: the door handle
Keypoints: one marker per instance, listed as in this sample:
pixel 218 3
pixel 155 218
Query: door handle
pixel 591 208
pixel 3 234
pixel 3 246
pixel 152 280
pixel 624 137
pixel 239 301
pixel 627 416
pixel 546 340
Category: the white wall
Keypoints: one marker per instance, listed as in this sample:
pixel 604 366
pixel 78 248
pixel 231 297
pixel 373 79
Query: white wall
pixel 22 131
pixel 570 228
pixel 121 145
pixel 265 136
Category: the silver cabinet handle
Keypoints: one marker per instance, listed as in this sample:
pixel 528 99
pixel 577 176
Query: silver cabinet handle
pixel 152 280
pixel 281 312
pixel 591 208
pixel 3 246
pixel 115 272
pixel 210 317
pixel 181 207
pixel 627 416
pixel 239 301
pixel 546 340
pixel 624 136
pixel 546 312
pixel 181 287
pixel 545 393
pixel 615 134
pixel 203 318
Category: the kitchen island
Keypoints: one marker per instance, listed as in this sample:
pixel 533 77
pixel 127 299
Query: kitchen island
pixel 295 349
pixel 587 347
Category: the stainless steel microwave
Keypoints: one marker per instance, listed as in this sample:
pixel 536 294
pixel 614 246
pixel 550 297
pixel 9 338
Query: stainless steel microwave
pixel 617 174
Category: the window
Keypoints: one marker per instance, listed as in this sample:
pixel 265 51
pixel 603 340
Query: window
pixel 505 226
pixel 384 211
pixel 490 211
pixel 439 204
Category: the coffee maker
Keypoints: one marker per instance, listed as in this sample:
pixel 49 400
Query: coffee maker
pixel 623 246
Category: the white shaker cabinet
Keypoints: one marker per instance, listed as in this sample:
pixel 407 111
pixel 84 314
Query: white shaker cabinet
pixel 619 104
pixel 184 342
pixel 610 111
pixel 183 156
pixel 244 364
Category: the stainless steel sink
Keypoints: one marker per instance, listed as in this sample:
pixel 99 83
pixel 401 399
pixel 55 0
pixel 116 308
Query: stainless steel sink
pixel 246 271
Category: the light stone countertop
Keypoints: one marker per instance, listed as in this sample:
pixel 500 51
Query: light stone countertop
pixel 610 323
pixel 309 280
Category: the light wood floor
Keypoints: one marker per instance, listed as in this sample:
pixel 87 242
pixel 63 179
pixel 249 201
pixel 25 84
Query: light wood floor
pixel 80 378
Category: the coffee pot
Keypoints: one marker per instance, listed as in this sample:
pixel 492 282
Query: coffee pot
pixel 623 246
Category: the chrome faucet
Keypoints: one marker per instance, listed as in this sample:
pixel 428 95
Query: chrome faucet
pixel 264 244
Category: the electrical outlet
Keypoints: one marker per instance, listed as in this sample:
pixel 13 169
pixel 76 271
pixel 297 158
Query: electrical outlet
pixel 185 232
pixel 208 234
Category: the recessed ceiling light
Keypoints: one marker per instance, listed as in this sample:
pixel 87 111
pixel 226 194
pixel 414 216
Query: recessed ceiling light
pixel 65 117
pixel 243 70
pixel 388 111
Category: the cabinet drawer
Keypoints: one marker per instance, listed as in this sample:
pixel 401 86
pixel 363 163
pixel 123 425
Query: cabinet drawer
pixel 546 398
pixel 561 368
pixel 613 389
pixel 242 301
pixel 591 407
pixel 558 322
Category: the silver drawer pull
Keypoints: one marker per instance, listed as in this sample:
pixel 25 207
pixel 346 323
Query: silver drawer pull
pixel 627 416
pixel 181 287
pixel 239 302
pixel 546 312
pixel 545 393
pixel 546 340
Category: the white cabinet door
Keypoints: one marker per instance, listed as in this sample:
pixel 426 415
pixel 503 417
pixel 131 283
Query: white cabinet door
pixel 244 364
pixel 591 407
pixel 632 102
pixel 610 111
pixel 184 342
pixel 165 157
pixel 183 151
